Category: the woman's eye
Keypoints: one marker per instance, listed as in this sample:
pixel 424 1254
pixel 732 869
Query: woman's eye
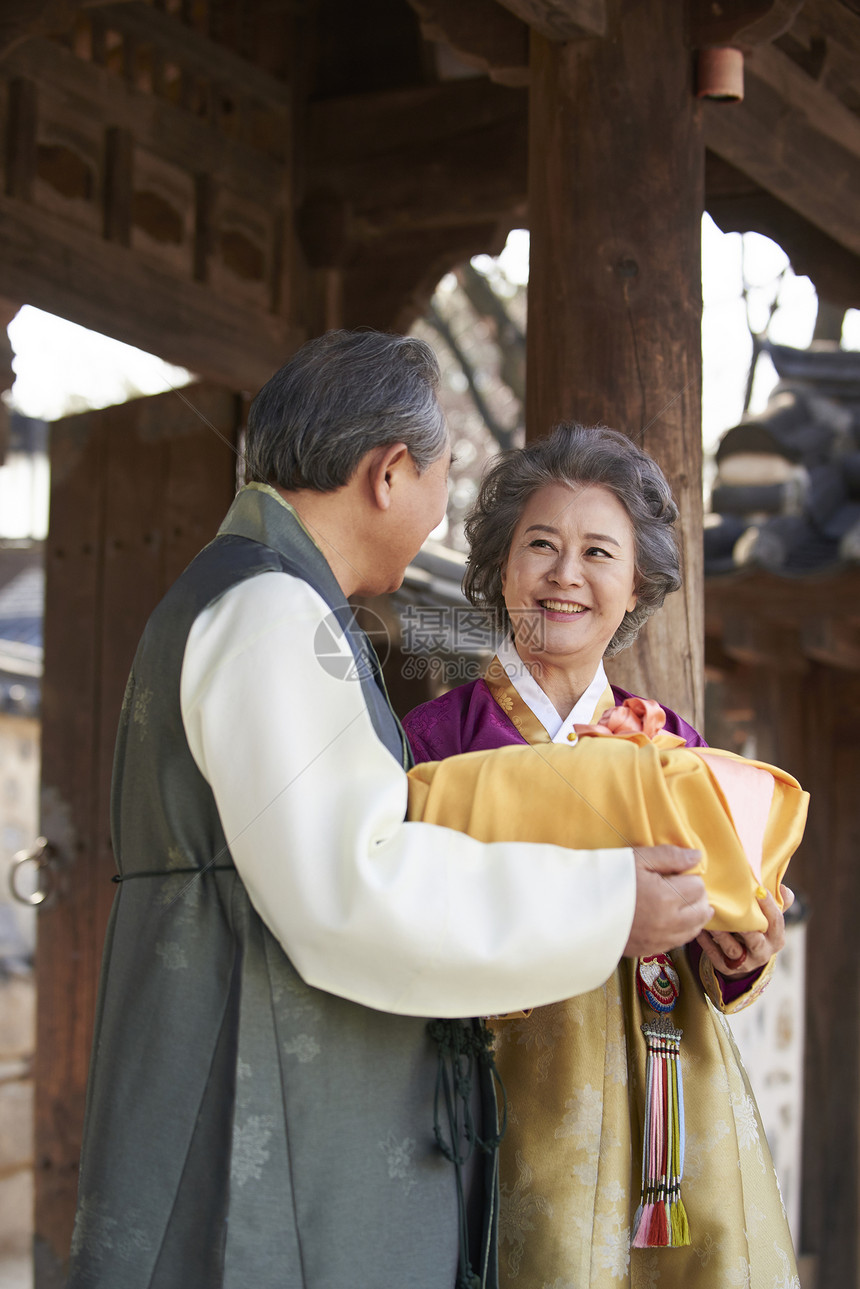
pixel 597 550
pixel 542 543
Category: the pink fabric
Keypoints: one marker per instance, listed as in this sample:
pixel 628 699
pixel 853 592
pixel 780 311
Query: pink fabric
pixel 633 716
pixel 747 790
pixel 749 793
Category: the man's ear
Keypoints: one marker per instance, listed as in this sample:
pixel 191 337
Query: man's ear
pixel 383 467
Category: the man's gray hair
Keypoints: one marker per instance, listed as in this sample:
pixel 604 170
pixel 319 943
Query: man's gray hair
pixel 574 454
pixel 340 396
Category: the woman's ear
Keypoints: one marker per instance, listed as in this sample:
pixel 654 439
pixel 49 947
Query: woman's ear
pixel 634 595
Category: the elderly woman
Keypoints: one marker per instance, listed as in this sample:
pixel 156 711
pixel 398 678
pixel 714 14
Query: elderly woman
pixel 572 549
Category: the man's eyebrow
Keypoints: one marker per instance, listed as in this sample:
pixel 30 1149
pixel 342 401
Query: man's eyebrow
pixel 591 537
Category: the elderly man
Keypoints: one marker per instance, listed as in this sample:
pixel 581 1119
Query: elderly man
pixel 261 1103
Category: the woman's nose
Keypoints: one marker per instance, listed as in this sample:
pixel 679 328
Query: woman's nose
pixel 567 570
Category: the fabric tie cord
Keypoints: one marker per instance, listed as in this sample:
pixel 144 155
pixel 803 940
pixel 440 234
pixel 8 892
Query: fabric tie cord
pixel 661 1219
pixel 464 1047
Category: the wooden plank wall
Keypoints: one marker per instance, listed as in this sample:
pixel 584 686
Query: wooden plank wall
pixel 136 491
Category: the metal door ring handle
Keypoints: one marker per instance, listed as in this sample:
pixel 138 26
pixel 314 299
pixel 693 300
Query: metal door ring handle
pixel 41 853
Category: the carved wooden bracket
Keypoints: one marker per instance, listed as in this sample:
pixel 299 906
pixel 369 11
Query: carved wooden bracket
pixel 482 34
pixel 796 141
pixel 743 23
pixel 22 19
pixel 561 20
pixel 143 162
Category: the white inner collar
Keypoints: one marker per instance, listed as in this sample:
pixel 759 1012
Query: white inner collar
pixel 536 700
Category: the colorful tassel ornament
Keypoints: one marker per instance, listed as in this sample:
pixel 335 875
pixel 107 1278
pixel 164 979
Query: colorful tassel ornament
pixel 661 1219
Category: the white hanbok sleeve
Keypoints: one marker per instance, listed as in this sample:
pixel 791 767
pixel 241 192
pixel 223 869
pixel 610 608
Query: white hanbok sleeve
pixel 403 917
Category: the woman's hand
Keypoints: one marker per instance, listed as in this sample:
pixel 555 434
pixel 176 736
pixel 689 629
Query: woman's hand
pixel 737 953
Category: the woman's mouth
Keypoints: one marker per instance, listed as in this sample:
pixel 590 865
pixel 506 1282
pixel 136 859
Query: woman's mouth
pixel 561 606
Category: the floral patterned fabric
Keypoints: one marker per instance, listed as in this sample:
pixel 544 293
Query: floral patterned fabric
pixel 571 1158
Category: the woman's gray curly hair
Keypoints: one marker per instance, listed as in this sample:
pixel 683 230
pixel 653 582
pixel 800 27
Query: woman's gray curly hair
pixel 575 454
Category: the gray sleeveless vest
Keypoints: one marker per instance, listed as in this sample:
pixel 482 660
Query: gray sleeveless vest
pixel 243 1130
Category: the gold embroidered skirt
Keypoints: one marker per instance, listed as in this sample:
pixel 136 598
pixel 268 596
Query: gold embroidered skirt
pixel 571 1158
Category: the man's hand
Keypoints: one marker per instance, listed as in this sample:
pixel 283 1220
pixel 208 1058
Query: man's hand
pixel 736 953
pixel 671 904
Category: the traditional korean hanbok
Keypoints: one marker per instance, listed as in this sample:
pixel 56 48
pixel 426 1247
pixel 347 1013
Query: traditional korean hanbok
pixel 578 1073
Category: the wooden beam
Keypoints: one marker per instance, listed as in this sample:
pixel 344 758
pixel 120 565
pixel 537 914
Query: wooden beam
pixel 21 141
pixel 55 266
pixel 742 23
pixel 154 124
pixel 362 148
pixel 614 291
pixel 763 644
pixel 192 305
pixel 836 644
pixel 825 40
pixel 118 183
pixel 21 19
pixel 403 186
pixel 837 23
pixel 441 155
pixel 482 34
pixel 788 602
pixel 738 205
pixel 795 140
pixel 206 58
pixel 389 284
pixel 362 183
pixel 561 20
pixel 384 123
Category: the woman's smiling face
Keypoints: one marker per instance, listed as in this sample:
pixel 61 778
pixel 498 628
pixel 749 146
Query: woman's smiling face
pixel 570 576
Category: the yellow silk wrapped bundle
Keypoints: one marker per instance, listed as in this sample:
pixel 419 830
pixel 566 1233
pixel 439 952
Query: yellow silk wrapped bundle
pixel 627 790
pixel 576 1072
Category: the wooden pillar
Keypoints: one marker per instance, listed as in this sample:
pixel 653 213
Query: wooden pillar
pixel 616 192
